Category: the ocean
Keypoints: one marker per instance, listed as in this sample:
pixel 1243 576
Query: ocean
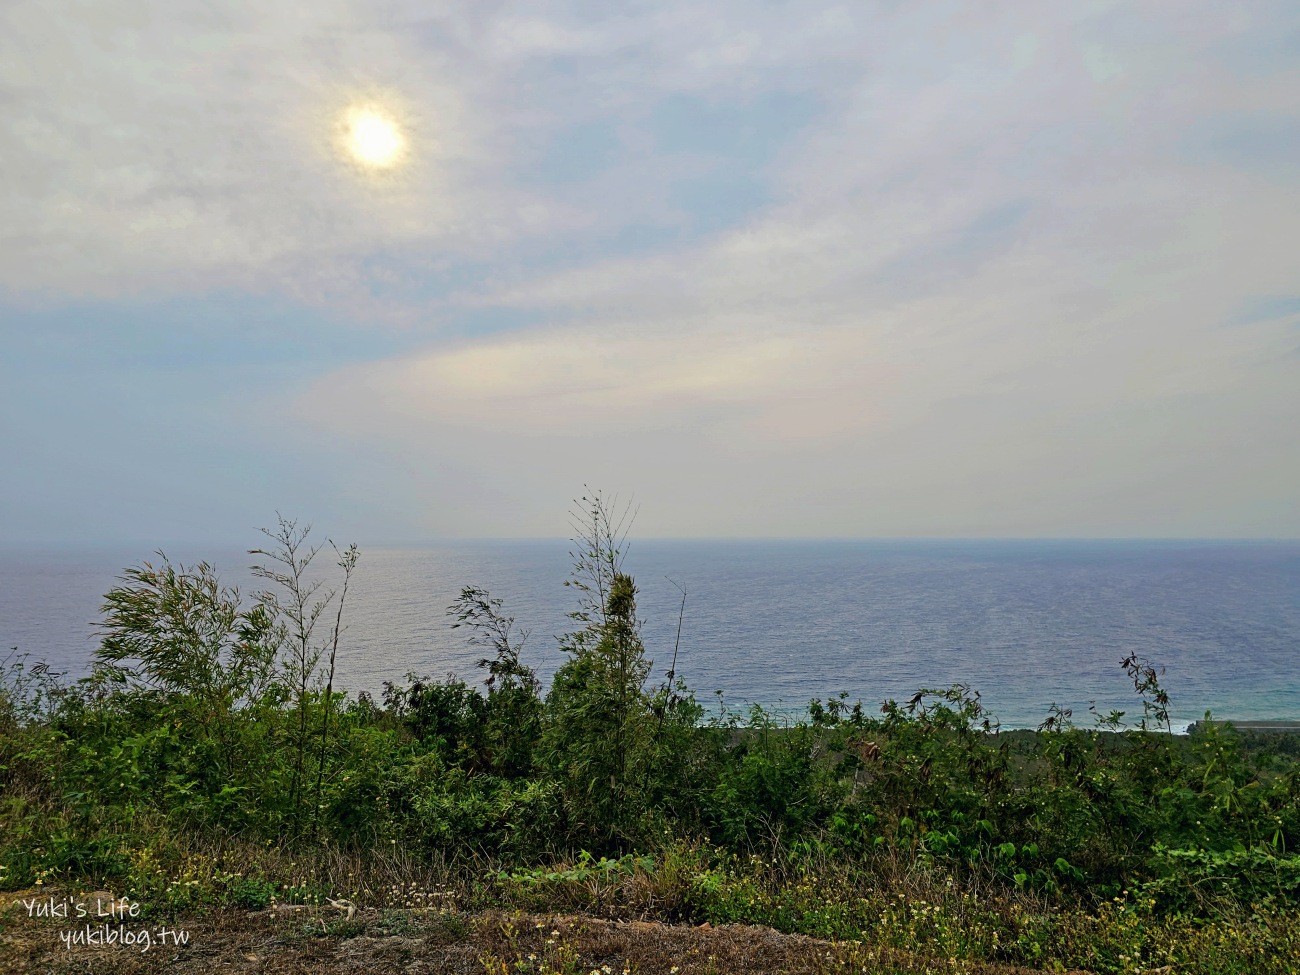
pixel 1028 624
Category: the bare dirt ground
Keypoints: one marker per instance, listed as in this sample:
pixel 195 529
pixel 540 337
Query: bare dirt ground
pixel 375 942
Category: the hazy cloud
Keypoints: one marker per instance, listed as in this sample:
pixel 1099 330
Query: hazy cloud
pixel 780 269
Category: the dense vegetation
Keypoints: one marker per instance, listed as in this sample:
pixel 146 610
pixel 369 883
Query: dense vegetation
pixel 209 760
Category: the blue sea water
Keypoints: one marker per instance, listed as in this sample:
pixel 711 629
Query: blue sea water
pixel 1026 623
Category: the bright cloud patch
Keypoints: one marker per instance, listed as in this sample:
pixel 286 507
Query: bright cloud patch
pixel 583 382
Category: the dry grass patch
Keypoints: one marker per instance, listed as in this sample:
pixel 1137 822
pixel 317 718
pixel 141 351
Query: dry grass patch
pixel 290 941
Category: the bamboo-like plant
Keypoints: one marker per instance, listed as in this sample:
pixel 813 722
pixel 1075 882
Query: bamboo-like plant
pixel 599 716
pixel 299 602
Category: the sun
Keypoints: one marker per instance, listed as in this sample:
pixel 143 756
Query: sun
pixel 373 138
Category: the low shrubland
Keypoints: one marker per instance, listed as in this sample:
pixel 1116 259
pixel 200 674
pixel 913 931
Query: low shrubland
pixel 210 761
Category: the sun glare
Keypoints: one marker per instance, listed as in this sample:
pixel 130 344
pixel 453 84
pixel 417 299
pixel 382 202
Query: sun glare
pixel 373 138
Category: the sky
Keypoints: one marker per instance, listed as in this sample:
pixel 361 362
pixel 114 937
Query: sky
pixel 770 269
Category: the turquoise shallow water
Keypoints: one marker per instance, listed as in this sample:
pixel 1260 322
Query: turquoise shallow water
pixel 1025 623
